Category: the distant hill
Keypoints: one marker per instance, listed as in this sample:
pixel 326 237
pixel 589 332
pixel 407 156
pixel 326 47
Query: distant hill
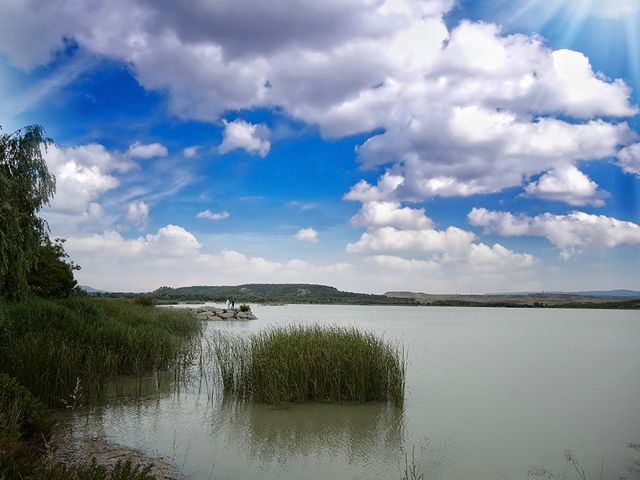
pixel 596 299
pixel 89 289
pixel 276 293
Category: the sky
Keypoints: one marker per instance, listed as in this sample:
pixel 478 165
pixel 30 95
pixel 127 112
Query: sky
pixel 442 146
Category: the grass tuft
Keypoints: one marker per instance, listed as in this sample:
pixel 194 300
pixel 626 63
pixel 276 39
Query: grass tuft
pixel 311 363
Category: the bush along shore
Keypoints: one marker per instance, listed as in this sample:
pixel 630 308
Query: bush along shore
pixel 62 353
pixel 310 363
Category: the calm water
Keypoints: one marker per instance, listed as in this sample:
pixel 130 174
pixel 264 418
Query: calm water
pixel 490 393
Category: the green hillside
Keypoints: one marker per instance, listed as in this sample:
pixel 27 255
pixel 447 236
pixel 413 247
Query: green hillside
pixel 276 293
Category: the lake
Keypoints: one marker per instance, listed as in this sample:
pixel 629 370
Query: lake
pixel 490 393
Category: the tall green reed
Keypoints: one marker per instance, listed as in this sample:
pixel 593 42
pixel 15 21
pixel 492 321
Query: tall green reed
pixel 311 363
pixel 65 349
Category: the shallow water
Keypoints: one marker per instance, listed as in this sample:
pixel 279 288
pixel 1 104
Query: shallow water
pixel 490 393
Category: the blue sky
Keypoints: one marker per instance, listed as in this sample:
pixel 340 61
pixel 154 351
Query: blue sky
pixel 431 145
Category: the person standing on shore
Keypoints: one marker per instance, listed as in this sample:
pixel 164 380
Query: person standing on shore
pixel 226 305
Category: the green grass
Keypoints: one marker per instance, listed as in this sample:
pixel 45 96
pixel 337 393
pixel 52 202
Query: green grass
pixel 311 363
pixel 64 351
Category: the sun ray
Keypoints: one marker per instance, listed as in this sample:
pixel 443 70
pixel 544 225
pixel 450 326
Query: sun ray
pixel 633 49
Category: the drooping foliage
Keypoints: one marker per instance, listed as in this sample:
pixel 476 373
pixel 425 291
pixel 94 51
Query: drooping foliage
pixel 26 185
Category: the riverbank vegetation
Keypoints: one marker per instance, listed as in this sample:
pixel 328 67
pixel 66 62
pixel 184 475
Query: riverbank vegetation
pixel 65 350
pixel 25 434
pixel 311 363
pixel 62 353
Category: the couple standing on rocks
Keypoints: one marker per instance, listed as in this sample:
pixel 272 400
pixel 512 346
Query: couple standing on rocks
pixel 230 303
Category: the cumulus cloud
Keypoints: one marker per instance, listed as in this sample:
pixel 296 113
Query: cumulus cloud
pixel 175 256
pixel 464 111
pixel 246 136
pixel 402 265
pixel 395 232
pixel 455 112
pixel 571 233
pixel 169 241
pixel 390 240
pixel 567 184
pixel 307 235
pixel 629 159
pixel 146 151
pixel 82 174
pixel 208 214
pixel 138 213
pixel 391 214
pixel 497 258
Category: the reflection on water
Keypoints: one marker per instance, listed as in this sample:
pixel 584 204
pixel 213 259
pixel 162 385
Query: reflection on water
pixel 141 387
pixel 201 435
pixel 356 431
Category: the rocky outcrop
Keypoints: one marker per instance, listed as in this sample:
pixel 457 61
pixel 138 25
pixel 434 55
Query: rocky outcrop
pixel 214 313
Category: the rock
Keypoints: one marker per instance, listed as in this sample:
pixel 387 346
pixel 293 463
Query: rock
pixel 213 313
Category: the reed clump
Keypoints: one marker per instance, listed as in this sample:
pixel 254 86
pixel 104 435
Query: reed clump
pixel 65 350
pixel 311 363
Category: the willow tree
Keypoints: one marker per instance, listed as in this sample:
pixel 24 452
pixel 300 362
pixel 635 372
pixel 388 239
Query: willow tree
pixel 25 187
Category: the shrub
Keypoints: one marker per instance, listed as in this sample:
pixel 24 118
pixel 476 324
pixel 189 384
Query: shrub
pixel 245 308
pixel 22 415
pixel 24 428
pixel 298 364
pixel 144 300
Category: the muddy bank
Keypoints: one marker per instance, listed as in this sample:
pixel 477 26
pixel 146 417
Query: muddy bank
pixel 77 451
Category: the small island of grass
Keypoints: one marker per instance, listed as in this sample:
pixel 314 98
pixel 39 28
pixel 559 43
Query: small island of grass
pixel 311 363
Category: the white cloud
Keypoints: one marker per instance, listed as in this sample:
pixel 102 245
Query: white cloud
pixel 146 151
pixel 402 265
pixel 364 192
pixel 82 174
pixel 175 256
pixel 138 213
pixel 629 159
pixel 463 111
pixel 497 258
pixel 191 152
pixel 208 214
pixel 567 184
pixel 391 214
pixel 484 151
pixel 246 136
pixel 307 235
pixel 170 241
pixel 352 67
pixel 393 240
pixel 583 92
pixel 395 232
pixel 571 233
